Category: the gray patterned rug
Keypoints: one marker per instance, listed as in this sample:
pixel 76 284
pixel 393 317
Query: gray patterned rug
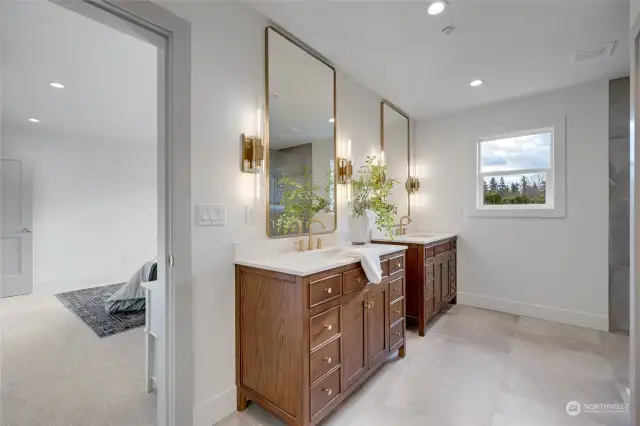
pixel 88 305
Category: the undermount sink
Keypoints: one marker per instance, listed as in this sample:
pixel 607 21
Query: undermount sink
pixel 326 252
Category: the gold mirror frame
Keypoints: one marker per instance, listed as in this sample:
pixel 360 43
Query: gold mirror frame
pixel 405 115
pixel 320 58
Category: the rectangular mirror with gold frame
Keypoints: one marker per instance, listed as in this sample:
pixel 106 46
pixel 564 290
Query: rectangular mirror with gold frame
pixel 300 138
pixel 394 136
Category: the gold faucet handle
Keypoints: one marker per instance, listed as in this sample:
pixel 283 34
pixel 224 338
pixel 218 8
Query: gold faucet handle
pixel 319 243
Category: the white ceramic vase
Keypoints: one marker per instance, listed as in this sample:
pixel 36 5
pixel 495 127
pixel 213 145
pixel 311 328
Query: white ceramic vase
pixel 360 230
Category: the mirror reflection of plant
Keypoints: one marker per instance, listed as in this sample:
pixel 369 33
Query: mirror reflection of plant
pixel 371 189
pixel 301 200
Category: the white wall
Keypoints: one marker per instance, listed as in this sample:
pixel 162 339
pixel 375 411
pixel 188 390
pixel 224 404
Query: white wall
pixel 94 208
pixel 227 90
pixel 635 11
pixel 555 268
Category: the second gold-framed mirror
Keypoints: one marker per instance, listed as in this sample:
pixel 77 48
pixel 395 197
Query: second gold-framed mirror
pixel 300 138
pixel 395 146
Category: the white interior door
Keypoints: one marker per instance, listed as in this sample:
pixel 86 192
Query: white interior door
pixel 16 236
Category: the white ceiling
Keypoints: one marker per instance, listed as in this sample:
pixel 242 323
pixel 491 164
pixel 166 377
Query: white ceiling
pixel 110 77
pixel 518 47
pixel 301 95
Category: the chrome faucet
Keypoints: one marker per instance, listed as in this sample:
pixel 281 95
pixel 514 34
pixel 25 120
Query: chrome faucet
pixel 403 228
pixel 300 243
pixel 310 246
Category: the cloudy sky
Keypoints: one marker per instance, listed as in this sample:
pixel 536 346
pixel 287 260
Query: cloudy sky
pixel 522 152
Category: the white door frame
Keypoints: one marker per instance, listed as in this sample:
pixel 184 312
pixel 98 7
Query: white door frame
pixel 634 334
pixel 147 20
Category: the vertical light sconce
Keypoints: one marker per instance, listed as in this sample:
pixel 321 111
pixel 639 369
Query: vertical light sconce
pixel 413 185
pixel 345 171
pixel 252 154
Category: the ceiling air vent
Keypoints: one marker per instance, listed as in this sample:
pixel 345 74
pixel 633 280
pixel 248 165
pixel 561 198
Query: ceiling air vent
pixel 593 53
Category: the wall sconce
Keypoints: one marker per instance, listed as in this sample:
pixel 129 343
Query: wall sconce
pixel 345 171
pixel 252 153
pixel 413 185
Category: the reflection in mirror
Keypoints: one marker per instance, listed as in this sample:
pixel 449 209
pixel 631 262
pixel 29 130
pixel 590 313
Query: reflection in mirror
pixel 301 139
pixel 395 146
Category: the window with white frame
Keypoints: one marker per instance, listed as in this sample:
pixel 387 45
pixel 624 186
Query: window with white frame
pixel 516 171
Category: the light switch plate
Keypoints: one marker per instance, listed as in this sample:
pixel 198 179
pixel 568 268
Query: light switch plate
pixel 211 215
pixel 250 217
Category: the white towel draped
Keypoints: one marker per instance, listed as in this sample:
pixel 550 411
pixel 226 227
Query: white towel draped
pixel 370 262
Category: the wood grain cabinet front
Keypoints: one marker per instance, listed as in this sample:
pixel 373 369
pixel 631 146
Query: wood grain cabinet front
pixel 431 279
pixel 303 344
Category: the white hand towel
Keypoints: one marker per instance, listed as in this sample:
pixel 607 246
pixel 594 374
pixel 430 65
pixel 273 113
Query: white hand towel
pixel 370 262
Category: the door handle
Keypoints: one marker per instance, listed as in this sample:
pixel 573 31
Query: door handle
pixel 26 230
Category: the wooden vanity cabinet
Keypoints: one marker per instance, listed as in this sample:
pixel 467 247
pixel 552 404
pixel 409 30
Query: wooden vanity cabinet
pixel 303 344
pixel 431 279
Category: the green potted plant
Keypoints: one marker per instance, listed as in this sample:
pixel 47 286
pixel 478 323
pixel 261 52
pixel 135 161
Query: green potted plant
pixel 371 189
pixel 301 200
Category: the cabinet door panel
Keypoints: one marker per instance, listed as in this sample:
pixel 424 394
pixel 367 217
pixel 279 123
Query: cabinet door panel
pixel 377 311
pixel 354 323
pixel 446 279
pixel 437 281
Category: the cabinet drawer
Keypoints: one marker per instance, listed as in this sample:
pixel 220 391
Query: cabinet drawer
pixel 396 311
pixel 428 289
pixel 324 289
pixel 396 334
pixel 353 280
pixel 396 289
pixel 428 306
pixel 443 248
pixel 325 391
pixel 396 264
pixel 384 264
pixel 429 252
pixel 324 359
pixel 324 326
pixel 428 272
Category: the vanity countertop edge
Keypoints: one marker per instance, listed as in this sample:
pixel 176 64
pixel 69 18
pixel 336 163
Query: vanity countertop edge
pixel 426 240
pixel 312 262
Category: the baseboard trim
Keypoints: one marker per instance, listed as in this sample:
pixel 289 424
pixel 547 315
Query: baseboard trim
pixel 548 313
pixel 215 409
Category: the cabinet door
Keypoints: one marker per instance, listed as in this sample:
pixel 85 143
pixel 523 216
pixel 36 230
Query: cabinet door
pixel 437 282
pixel 446 279
pixel 377 324
pixel 453 272
pixel 354 330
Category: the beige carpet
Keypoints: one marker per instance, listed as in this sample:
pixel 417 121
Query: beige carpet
pixel 57 372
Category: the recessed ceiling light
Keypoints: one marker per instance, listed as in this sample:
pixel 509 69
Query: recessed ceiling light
pixel 476 83
pixel 332 120
pixel 34 120
pixel 56 85
pixel 437 7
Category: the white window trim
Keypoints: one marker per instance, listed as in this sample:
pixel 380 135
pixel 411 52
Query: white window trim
pixel 556 186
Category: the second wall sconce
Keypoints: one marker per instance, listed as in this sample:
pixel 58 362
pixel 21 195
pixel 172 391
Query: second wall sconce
pixel 252 153
pixel 345 171
pixel 413 185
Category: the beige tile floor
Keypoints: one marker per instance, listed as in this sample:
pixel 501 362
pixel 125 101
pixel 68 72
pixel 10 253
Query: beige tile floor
pixel 483 368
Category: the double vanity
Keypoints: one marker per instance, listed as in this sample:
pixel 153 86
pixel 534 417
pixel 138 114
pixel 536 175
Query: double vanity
pixel 310 328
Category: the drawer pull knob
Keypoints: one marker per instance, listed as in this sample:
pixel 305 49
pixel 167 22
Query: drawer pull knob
pixel 328 290
pixel 328 360
pixel 398 264
pixel 359 279
pixel 397 311
pixel 396 334
pixel 397 290
pixel 328 327
pixel 429 306
pixel 369 305
pixel 327 391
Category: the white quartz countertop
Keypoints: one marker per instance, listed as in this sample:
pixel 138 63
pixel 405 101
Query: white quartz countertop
pixel 419 238
pixel 311 262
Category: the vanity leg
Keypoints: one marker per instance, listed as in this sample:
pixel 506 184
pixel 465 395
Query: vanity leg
pixel 242 401
pixel 402 351
pixel 421 328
